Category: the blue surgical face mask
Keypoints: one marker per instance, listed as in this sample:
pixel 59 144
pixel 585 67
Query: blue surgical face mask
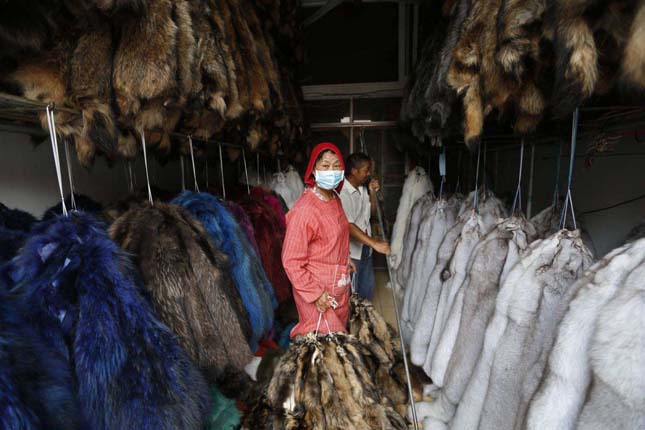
pixel 329 179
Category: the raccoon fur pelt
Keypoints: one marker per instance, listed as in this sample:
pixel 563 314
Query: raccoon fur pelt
pixel 246 270
pixel 80 292
pixel 323 382
pixel 36 383
pixel 186 278
pixel 269 235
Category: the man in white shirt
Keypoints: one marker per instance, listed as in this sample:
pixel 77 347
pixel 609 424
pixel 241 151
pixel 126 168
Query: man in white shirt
pixel 359 205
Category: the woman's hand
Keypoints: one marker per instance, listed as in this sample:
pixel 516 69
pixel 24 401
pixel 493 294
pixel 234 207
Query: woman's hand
pixel 352 267
pixel 323 303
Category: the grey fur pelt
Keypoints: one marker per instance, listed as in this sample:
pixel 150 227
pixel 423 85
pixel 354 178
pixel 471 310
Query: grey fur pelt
pixel 530 304
pixel 324 383
pixel 594 378
pixel 187 281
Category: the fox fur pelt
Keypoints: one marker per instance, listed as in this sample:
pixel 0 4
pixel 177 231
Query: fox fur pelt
pixel 36 382
pixel 633 61
pixel 323 383
pixel 80 292
pixel 269 235
pixel 186 278
pixel 246 270
pixel 591 365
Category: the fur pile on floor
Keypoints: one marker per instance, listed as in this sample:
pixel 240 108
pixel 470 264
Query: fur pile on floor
pixel 210 68
pixel 324 382
pixel 523 60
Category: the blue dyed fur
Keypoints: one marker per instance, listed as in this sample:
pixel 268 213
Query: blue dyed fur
pixel 81 292
pixel 245 267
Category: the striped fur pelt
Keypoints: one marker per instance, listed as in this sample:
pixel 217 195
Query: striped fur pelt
pixel 245 267
pixel 190 289
pixel 324 382
pixel 80 292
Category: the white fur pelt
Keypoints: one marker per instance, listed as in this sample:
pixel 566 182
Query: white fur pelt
pixel 416 185
pixel 492 257
pixel 288 185
pixel 432 231
pixel 537 258
pixel 617 396
pixel 295 183
pixel 484 270
pixel 565 384
pixel 454 275
pixel 425 309
pixel 536 308
pixel 278 183
pixel 420 211
pixel 547 221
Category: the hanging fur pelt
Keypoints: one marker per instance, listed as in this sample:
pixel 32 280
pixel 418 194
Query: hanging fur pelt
pixel 16 219
pixel 83 203
pixel 269 235
pixel 80 292
pixel 633 61
pixel 324 382
pixel 36 383
pixel 186 278
pixel 246 270
pixel 245 223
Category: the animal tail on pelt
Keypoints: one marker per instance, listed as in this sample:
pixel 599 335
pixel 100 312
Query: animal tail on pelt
pixel 98 133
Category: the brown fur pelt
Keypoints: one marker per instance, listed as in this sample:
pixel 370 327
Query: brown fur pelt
pixel 187 280
pixel 589 37
pixel 633 61
pixel 323 382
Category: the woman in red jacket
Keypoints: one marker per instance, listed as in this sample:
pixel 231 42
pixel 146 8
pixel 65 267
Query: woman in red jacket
pixel 315 253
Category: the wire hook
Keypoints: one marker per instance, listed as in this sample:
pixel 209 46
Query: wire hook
pixel 145 163
pixel 51 122
pixel 192 159
pixel 221 167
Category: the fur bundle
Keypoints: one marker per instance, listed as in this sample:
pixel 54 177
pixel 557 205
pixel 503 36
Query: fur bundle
pixel 269 234
pixel 16 219
pixel 83 203
pixel 187 281
pixel 245 223
pixel 246 270
pixel 324 382
pixel 80 292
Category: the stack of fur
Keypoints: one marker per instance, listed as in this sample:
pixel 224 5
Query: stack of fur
pixel 522 58
pixel 220 68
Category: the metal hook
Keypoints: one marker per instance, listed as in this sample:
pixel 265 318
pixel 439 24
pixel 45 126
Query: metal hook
pixel 145 162
pixel 476 202
pixel 517 201
pixel 572 156
pixel 70 176
pixel 183 173
pixel 192 159
pixel 51 122
pixel 246 172
pixel 221 167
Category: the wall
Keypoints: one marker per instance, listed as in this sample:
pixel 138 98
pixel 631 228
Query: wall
pixel 28 177
pixel 611 178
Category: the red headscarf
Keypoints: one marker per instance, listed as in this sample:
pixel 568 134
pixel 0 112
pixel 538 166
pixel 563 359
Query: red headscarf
pixel 324 146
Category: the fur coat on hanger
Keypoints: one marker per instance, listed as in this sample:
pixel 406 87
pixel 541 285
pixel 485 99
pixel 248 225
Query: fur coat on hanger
pixel 248 276
pixel 80 291
pixel 187 280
